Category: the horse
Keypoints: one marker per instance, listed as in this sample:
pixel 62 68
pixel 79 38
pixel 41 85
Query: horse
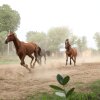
pixel 44 53
pixel 23 49
pixel 70 52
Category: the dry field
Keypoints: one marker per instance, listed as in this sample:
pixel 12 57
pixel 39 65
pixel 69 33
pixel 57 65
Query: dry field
pixel 16 82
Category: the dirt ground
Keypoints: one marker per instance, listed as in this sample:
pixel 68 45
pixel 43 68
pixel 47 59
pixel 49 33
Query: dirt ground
pixel 16 82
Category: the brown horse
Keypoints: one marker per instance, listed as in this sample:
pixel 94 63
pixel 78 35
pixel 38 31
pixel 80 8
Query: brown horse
pixel 70 52
pixel 23 49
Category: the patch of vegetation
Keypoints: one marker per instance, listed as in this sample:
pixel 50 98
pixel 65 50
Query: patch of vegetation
pixel 44 96
pixel 95 88
pixel 8 60
pixel 74 96
pixel 61 91
pixel 93 95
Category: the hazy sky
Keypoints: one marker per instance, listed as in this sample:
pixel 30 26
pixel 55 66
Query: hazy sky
pixel 82 17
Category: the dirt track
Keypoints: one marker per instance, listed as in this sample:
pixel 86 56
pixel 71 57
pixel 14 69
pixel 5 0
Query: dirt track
pixel 16 82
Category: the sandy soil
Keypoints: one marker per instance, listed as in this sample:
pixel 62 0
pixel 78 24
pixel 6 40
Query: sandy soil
pixel 16 82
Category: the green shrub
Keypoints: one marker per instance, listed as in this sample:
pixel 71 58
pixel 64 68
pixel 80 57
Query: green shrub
pixel 74 96
pixel 95 87
pixel 62 91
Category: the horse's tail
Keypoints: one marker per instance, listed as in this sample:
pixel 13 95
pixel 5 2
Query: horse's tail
pixel 39 51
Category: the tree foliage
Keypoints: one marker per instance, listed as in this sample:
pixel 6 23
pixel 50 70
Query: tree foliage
pixel 73 39
pixel 38 37
pixel 2 39
pixel 53 39
pixel 97 40
pixel 56 36
pixel 9 19
pixel 82 43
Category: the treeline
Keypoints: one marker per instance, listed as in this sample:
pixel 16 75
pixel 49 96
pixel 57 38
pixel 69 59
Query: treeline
pixel 9 20
pixel 53 40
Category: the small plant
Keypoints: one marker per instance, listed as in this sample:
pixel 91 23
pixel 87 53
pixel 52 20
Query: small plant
pixel 61 91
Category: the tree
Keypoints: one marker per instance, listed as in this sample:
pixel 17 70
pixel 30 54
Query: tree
pixel 73 39
pixel 79 45
pixel 82 43
pixel 97 40
pixel 9 19
pixel 2 39
pixel 39 38
pixel 56 36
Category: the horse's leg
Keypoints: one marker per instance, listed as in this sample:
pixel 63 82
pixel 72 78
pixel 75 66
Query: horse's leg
pixel 39 59
pixel 31 60
pixel 70 61
pixel 66 59
pixel 35 54
pixel 73 60
pixel 38 55
pixel 23 63
pixel 45 59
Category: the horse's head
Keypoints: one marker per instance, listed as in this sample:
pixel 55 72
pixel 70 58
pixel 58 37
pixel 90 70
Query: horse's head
pixel 10 37
pixel 67 44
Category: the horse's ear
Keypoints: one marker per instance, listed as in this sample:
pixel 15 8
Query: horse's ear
pixel 14 34
pixel 8 33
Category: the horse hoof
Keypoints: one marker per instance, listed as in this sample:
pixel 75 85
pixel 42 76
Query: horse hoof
pixel 40 64
pixel 26 65
pixel 30 71
pixel 65 65
pixel 32 66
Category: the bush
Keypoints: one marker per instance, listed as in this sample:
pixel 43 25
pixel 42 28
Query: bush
pixel 62 91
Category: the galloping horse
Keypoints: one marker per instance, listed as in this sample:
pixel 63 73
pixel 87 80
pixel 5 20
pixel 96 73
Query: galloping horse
pixel 23 49
pixel 44 53
pixel 70 52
